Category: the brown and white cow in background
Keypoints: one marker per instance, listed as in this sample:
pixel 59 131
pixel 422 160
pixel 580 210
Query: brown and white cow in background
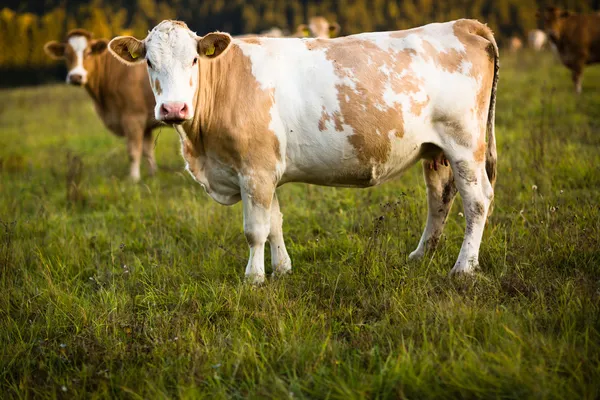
pixel 576 38
pixel 536 39
pixel 356 111
pixel 122 96
pixel 515 44
pixel 318 27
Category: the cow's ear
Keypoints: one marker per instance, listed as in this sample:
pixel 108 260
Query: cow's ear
pixel 99 46
pixel 303 30
pixel 334 29
pixel 127 49
pixel 55 50
pixel 213 45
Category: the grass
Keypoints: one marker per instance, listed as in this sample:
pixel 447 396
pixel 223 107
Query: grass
pixel 111 289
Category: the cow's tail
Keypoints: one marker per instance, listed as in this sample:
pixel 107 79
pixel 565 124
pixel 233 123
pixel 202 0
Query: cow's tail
pixel 491 157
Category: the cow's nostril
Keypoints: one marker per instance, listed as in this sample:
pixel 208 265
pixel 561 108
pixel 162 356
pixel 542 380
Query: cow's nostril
pixel 164 110
pixel 184 109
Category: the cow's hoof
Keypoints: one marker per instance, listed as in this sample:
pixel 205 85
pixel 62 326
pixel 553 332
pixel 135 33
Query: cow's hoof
pixel 416 255
pixel 134 178
pixel 464 268
pixel 283 268
pixel 255 279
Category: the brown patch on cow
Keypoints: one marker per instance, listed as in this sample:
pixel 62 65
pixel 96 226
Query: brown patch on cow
pixel 191 81
pixel 157 86
pixel 363 107
pixel 479 154
pixel 179 23
pixel 251 40
pixel 326 117
pixel 238 135
pixel 417 107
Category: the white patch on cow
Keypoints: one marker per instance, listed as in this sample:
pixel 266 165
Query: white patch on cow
pixel 299 103
pixel 171 50
pixel 78 44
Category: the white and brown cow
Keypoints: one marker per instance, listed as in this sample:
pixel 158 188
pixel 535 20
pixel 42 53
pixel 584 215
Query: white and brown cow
pixel 122 96
pixel 357 111
pixel 318 27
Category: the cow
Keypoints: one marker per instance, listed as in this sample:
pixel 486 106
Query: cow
pixel 122 96
pixel 318 27
pixel 576 38
pixel 536 39
pixel 515 44
pixel 356 111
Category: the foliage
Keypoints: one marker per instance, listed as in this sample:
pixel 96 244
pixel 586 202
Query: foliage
pixel 23 32
pixel 115 290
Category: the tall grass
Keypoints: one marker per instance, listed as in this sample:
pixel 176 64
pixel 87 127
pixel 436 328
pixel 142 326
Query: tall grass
pixel 110 289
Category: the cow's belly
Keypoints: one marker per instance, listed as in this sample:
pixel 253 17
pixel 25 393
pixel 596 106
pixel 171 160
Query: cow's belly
pixel 336 163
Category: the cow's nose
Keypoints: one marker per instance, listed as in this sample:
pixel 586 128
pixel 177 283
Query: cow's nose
pixel 174 111
pixel 75 79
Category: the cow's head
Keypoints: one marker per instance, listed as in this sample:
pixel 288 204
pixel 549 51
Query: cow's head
pixel 318 27
pixel 321 28
pixel 172 53
pixel 77 51
pixel 552 20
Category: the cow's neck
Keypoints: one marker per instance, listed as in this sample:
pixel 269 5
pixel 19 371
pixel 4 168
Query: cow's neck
pixel 210 78
pixel 94 83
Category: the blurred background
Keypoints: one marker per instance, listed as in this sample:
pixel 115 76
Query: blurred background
pixel 26 25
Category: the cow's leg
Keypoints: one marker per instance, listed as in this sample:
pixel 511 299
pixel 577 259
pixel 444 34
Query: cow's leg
pixel 440 196
pixel 280 259
pixel 135 136
pixel 257 197
pixel 477 193
pixel 577 76
pixel 148 150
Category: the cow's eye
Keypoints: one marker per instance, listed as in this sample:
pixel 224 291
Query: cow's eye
pixel 195 61
pixel 149 63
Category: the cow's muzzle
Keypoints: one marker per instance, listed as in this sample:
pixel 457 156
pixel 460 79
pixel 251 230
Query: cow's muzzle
pixel 75 79
pixel 174 112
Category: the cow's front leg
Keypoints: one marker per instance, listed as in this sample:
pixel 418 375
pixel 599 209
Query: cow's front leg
pixel 257 198
pixel 280 259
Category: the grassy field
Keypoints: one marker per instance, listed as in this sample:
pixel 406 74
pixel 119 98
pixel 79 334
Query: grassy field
pixel 113 289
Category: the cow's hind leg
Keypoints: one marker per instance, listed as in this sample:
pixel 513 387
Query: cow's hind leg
pixel 440 196
pixel 280 259
pixel 148 149
pixel 477 194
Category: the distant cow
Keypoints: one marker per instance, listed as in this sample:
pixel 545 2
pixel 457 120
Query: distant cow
pixel 356 111
pixel 122 96
pixel 515 44
pixel 536 39
pixel 576 38
pixel 318 27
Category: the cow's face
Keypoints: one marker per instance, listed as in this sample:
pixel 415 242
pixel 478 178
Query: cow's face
pixel 552 20
pixel 321 28
pixel 77 52
pixel 172 54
